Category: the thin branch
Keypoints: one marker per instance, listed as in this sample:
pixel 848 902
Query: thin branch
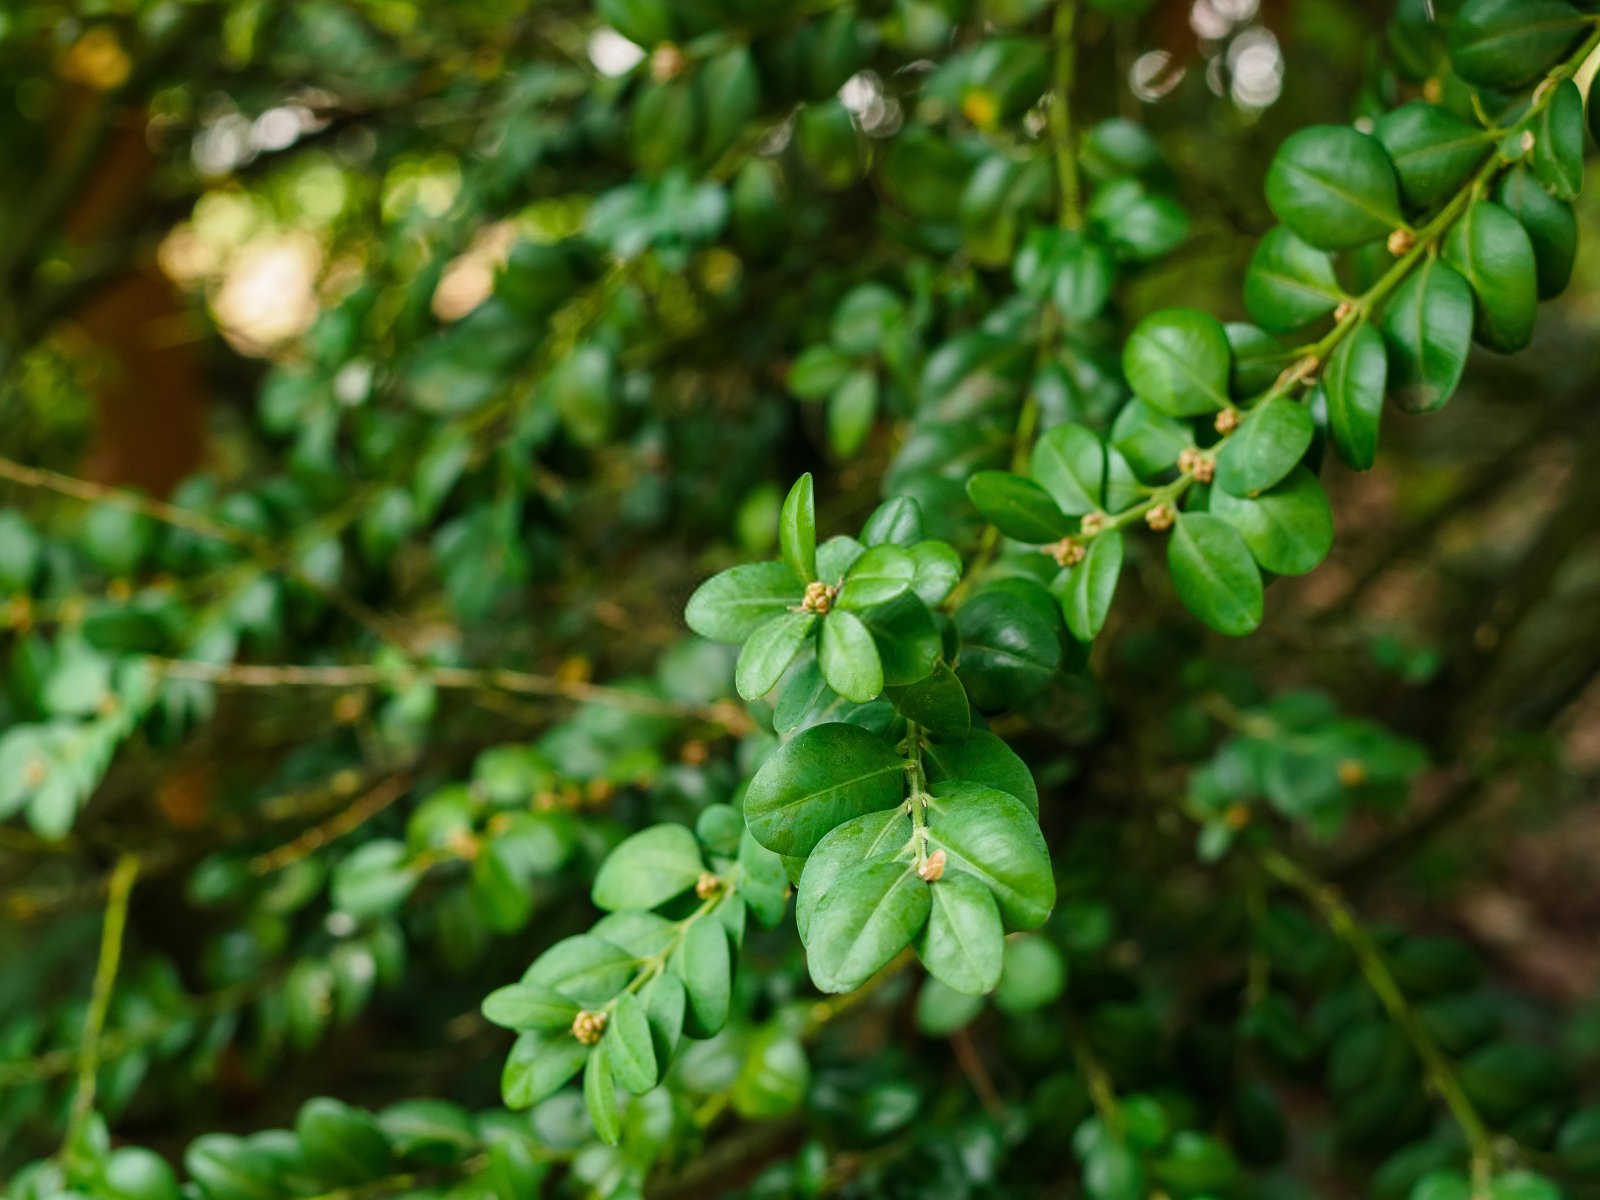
pixel 105 976
pixel 341 823
pixel 1061 131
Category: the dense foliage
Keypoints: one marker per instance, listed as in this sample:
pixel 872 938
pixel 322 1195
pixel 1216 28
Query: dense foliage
pixel 664 649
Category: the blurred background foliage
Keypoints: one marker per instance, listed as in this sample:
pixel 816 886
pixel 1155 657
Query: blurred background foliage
pixel 471 324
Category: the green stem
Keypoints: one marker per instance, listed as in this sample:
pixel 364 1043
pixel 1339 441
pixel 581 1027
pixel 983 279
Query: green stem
pixel 1344 924
pixel 1061 132
pixel 917 800
pixel 105 976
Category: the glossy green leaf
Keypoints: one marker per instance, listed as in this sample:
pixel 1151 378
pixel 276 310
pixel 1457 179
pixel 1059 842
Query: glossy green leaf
pixel 600 1098
pixel 1507 43
pixel 1214 574
pixel 1489 247
pixel 341 1144
pixel 938 703
pixel 538 1066
pixel 981 757
pixel 1551 225
pixel 1176 361
pixel 819 778
pixel 1069 461
pixel 962 944
pixel 942 1010
pixel 134 1173
pixel 1432 149
pixel 762 881
pixel 1289 283
pixel 1289 529
pixel 1558 142
pixel 1334 187
pixel 860 839
pixel 897 521
pixel 648 868
pixel 817 371
pixel 1353 386
pixel 1087 589
pixel 1150 441
pixel 992 836
pixel 704 964
pixel 1270 441
pixel 908 641
pixel 849 657
pixel 525 1006
pixel 628 1047
pixel 1139 223
pixel 937 570
pixel 1018 507
pixel 1427 327
pixel 586 969
pixel 732 605
pixel 767 653
pixel 1008 649
pixel 797 530
pixel 666 1002
pixel 878 576
pixel 869 915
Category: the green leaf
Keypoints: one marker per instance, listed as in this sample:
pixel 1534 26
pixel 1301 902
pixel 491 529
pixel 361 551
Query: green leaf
pixel 869 915
pixel 937 570
pixel 1077 271
pixel 134 1173
pixel 1551 225
pixel 1111 1171
pixel 1070 462
pixel 1289 529
pixel 1139 223
pixel 1214 574
pixel 648 868
pixel 1034 975
pixel 1149 440
pixel 963 942
pixel 797 530
pixel 1176 361
pixel 908 641
pixel 1523 1184
pixel 1008 649
pixel 849 657
pixel 586 969
pixel 628 1047
pixel 665 1001
pixel 773 1077
pixel 524 1006
pixel 762 880
pixel 703 963
pixel 600 1098
pixel 992 836
pixel 898 520
pixel 373 879
pixel 942 1010
pixel 819 778
pixel 983 758
pixel 1196 1164
pixel 768 651
pixel 851 411
pixel 864 317
pixel 817 371
pixel 1086 590
pixel 538 1066
pixel 836 556
pixel 1271 439
pixel 1506 43
pixel 1492 251
pixel 1018 507
pixel 1353 386
pixel 860 839
pixel 1427 326
pixel 1334 187
pixel 1289 283
pixel 732 605
pixel 1258 358
pixel 341 1144
pixel 229 1168
pixel 1432 149
pixel 878 576
pixel 938 703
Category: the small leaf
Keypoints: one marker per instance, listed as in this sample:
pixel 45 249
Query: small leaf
pixel 819 778
pixel 963 942
pixel 991 836
pixel 1289 283
pixel 1150 441
pixel 768 651
pixel 1009 648
pixel 870 914
pixel 1271 439
pixel 1492 251
pixel 730 606
pixel 524 1006
pixel 818 370
pixel 628 1047
pixel 1551 225
pixel 1427 326
pixel 648 868
pixel 703 962
pixel 938 703
pixel 1034 975
pixel 1334 187
pixel 1086 590
pixel 849 657
pixel 797 530
pixel 538 1066
pixel 878 576
pixel 1070 462
pixel 1214 574
pixel 1289 529
pixel 1018 507
pixel 1353 386
pixel 937 570
pixel 1176 361
pixel 851 410
pixel 586 969
pixel 885 834
pixel 1432 149
pixel 1506 43
pixel 600 1098
pixel 897 521
pixel 340 1143
pixel 983 758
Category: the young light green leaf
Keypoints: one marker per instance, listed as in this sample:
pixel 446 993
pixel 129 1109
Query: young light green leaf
pixel 938 570
pixel 1271 439
pixel 665 1001
pixel 1289 283
pixel 849 657
pixel 1035 974
pixel 897 521
pixel 819 778
pixel 628 1047
pixel 851 410
pixel 732 605
pixel 1213 573
pixel 1070 462
pixel 704 964
pixel 878 576
pixel 797 530
pixel 1018 507
pixel 1176 361
pixel 1289 529
pixel 648 868
pixel 524 1006
pixel 538 1066
pixel 963 942
pixel 586 969
pixel 1086 590
pixel 818 370
pixel 1427 326
pixel 767 653
pixel 869 915
pixel 991 836
pixel 600 1098
pixel 1334 187
pixel 1353 386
